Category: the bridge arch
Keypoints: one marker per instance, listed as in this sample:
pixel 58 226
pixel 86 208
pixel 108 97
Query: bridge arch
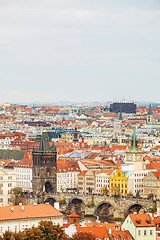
pixel 75 205
pixel 104 209
pixel 135 207
pixel 50 200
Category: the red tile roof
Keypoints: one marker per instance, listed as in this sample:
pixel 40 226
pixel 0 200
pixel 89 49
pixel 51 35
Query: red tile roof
pixel 30 211
pixel 95 231
pixel 67 166
pixel 73 215
pixel 142 220
pixel 119 235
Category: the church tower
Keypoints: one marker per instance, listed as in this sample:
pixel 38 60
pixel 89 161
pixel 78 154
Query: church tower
pixel 134 155
pixel 45 167
pixel 150 115
pixel 75 138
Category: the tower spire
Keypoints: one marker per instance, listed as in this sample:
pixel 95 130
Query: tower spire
pixel 150 110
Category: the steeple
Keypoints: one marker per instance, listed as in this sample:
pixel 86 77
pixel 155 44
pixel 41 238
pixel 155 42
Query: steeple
pixel 120 115
pixel 134 147
pixel 134 139
pixel 75 139
pixel 44 143
pixel 53 147
pixel 150 110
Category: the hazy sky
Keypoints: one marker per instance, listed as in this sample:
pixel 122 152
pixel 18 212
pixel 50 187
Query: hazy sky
pixel 79 50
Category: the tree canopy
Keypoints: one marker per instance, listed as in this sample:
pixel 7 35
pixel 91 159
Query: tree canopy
pixel 45 231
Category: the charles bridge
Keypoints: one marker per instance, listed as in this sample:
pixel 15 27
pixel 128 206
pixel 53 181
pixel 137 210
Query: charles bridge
pixel 100 205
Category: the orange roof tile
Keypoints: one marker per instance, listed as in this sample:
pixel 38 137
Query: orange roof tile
pixel 74 215
pixel 119 235
pixel 142 220
pixel 95 231
pixel 30 211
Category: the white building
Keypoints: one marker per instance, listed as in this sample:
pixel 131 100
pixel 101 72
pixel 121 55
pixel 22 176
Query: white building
pixel 135 179
pixel 67 172
pixel 140 226
pixel 5 141
pixel 102 179
pixel 7 182
pixel 18 218
pixel 23 171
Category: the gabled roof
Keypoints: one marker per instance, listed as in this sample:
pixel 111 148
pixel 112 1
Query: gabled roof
pixel 67 166
pixel 73 215
pixel 153 165
pixel 142 220
pixel 119 235
pixel 97 232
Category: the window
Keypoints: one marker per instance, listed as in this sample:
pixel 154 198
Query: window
pixel 1 199
pixel 145 232
pixel 9 184
pixel 151 232
pixel 139 232
pixel 10 178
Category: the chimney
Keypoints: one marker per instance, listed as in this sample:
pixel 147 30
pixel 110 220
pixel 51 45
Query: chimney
pixel 12 209
pixel 22 208
pixel 110 231
pixel 56 205
pixel 20 204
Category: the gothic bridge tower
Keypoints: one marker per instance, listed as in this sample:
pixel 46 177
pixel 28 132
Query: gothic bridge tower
pixel 45 166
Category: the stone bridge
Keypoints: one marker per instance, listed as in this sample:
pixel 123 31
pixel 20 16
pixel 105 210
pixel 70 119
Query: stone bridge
pixel 115 207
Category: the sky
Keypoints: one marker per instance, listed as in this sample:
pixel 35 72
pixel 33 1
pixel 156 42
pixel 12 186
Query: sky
pixel 79 50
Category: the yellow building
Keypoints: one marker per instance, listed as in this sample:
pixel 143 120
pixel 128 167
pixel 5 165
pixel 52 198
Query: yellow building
pixel 118 184
pixel 67 137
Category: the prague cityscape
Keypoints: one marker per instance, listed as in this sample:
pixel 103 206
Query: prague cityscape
pixel 80 120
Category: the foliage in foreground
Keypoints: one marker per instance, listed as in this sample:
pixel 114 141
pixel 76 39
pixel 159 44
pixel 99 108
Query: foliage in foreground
pixel 45 231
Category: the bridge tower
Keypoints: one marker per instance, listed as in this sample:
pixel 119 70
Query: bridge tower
pixel 45 167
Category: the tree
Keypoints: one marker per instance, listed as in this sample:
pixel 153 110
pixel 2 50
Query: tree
pixel 18 196
pixel 18 236
pixel 150 195
pixel 33 233
pixel 83 236
pixel 45 231
pixel 51 231
pixel 104 190
pixel 130 194
pixel 7 235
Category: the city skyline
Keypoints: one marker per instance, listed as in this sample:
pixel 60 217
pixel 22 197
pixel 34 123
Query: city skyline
pixel 79 51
